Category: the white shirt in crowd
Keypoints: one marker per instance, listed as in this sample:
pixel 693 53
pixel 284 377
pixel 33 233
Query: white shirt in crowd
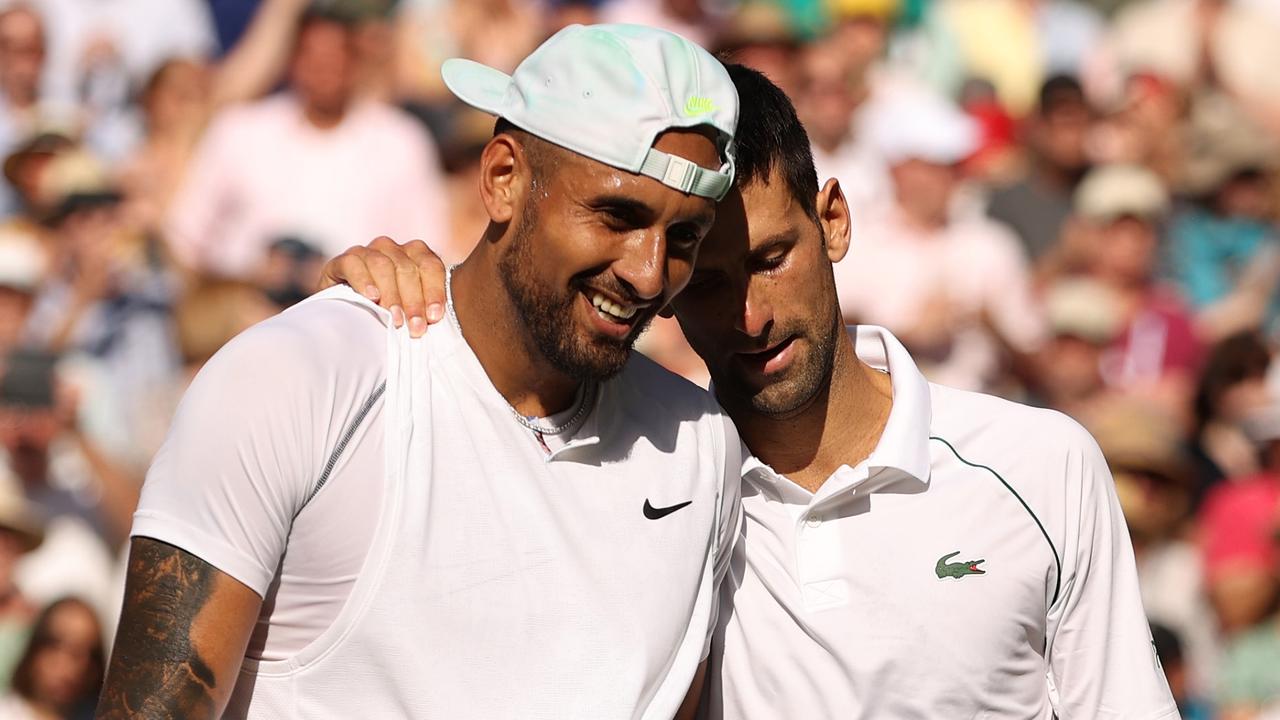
pixel 263 172
pixel 420 553
pixel 898 276
pixel 977 564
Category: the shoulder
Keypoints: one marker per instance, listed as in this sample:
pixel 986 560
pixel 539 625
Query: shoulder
pixel 327 348
pixel 1023 440
pixel 327 330
pixel 394 125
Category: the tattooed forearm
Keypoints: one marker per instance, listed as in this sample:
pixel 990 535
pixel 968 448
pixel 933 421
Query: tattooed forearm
pixel 156 670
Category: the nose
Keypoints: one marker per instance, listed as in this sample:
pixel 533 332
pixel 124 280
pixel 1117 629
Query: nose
pixel 756 313
pixel 642 269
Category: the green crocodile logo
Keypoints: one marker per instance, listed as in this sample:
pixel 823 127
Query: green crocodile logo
pixel 957 569
pixel 698 105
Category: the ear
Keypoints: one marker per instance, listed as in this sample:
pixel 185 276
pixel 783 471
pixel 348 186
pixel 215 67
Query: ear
pixel 503 177
pixel 833 216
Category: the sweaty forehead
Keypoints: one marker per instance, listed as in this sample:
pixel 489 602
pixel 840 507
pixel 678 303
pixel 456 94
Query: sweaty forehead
pixel 748 218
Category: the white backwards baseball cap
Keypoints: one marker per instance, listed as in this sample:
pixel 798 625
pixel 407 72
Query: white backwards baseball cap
pixel 606 92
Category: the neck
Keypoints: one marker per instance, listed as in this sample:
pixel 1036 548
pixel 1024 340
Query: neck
pixel 506 350
pixel 923 218
pixel 841 426
pixel 324 118
pixel 1055 177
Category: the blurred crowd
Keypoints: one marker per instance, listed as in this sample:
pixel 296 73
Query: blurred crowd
pixel 1070 203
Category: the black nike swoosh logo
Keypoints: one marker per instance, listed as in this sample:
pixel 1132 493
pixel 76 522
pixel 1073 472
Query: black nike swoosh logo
pixel 654 513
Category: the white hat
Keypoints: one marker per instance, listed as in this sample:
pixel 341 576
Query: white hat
pixel 1120 190
pixel 921 125
pixel 606 92
pixel 22 260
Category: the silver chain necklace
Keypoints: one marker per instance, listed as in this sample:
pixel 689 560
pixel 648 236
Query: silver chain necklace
pixel 584 401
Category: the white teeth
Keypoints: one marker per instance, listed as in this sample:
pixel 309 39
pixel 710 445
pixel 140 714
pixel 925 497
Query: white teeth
pixel 612 310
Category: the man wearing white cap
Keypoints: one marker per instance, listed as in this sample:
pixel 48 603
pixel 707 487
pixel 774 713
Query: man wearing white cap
pixel 927 269
pixel 507 518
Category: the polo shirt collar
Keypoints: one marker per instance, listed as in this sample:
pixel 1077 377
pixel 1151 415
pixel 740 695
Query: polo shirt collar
pixel 902 452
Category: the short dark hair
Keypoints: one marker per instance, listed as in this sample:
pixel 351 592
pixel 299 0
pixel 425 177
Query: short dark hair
pixel 541 154
pixel 770 137
pixel 1059 92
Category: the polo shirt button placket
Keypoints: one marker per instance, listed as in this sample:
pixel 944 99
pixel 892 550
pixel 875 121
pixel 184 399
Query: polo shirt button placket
pixel 813 520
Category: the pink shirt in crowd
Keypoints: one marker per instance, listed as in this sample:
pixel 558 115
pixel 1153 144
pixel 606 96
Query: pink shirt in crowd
pixel 896 275
pixel 263 172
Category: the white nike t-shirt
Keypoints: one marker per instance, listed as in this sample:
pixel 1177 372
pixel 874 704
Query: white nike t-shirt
pixel 420 553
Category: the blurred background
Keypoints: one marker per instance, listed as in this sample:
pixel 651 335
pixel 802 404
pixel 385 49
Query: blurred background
pixel 1068 203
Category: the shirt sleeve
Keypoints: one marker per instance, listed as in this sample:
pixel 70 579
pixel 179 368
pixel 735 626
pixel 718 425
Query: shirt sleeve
pixel 1102 662
pixel 251 437
pixel 729 522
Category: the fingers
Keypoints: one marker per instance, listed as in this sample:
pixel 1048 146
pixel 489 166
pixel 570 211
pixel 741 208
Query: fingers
pixel 349 269
pixel 431 276
pixel 406 279
pixel 383 277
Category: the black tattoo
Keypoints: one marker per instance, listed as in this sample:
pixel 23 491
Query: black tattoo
pixel 155 670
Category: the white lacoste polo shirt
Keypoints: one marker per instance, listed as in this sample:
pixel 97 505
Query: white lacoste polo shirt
pixel 976 565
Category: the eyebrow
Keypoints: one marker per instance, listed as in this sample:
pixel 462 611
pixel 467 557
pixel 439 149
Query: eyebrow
pixel 786 237
pixel 703 220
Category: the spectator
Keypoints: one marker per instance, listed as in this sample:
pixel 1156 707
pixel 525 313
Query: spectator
pixel 99 52
pixel 759 35
pixel 61 672
pixel 1084 318
pixel 24 110
pixel 22 263
pixel 1222 251
pixel 1157 355
pixel 21 531
pixel 497 33
pixel 1232 388
pixel 85 499
pixel 105 303
pixel 272 169
pixel 24 169
pixel 175 103
pixel 1195 45
pixel 1037 205
pixel 1015 44
pixel 830 97
pixel 924 271
pixel 1238 523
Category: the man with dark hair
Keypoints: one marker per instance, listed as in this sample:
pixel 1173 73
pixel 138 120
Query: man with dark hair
pixel 1037 205
pixel 347 523
pixel 908 550
pixel 260 171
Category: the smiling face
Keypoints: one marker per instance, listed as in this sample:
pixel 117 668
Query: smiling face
pixel 595 252
pixel 761 309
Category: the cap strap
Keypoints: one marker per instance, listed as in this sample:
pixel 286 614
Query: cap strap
pixel 685 176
